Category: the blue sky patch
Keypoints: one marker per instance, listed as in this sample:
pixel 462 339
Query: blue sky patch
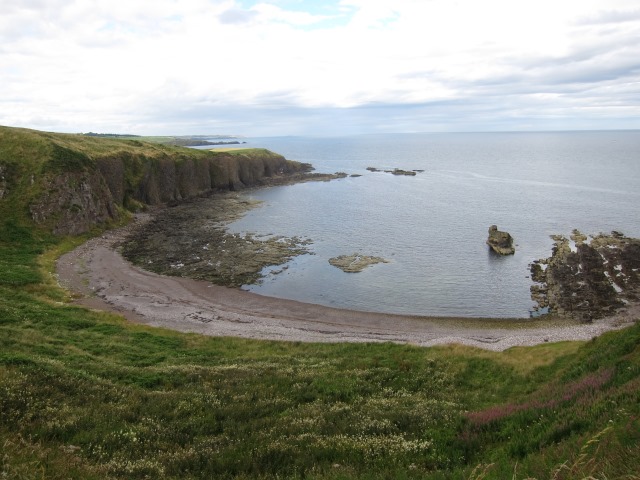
pixel 338 15
pixel 310 6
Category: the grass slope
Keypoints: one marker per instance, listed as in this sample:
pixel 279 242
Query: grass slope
pixel 86 395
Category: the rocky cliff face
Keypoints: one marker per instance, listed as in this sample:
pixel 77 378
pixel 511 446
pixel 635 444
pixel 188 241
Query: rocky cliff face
pixel 70 183
pixel 172 178
pixel 3 181
pixel 73 202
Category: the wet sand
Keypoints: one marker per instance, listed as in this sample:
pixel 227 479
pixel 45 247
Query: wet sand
pixel 102 279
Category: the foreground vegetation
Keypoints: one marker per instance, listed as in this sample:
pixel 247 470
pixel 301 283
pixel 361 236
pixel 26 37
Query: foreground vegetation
pixel 86 395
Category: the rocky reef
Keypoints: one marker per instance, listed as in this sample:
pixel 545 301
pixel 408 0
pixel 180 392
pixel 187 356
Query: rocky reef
pixel 191 240
pixel 500 242
pixel 588 280
pixel 355 263
pixel 397 171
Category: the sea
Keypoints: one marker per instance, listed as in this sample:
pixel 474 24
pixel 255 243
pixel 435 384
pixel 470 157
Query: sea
pixel 432 227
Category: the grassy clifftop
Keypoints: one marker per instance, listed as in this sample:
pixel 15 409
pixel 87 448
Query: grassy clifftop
pixel 86 395
pixel 69 183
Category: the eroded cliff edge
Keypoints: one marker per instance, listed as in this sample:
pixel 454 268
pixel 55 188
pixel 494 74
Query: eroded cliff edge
pixel 70 183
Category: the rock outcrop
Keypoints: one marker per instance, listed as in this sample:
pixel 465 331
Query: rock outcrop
pixel 500 242
pixel 355 263
pixel 80 199
pixel 191 240
pixel 397 171
pixel 588 280
pixel 74 201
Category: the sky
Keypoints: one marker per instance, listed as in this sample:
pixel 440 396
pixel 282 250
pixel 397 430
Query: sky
pixel 321 68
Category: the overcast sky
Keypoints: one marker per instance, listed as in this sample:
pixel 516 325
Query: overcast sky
pixel 302 67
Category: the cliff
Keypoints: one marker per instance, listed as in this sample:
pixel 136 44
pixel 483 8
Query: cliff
pixel 69 183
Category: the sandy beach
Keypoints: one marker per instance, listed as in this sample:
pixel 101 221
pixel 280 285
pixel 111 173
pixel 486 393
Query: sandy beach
pixel 102 279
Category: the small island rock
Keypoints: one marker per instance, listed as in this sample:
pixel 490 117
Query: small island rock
pixel 500 242
pixel 355 263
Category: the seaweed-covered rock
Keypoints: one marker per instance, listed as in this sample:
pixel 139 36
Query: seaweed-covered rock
pixel 355 263
pixel 191 240
pixel 399 171
pixel 588 280
pixel 500 242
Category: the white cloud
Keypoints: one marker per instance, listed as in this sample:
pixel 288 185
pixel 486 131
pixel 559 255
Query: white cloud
pixel 85 64
pixel 237 16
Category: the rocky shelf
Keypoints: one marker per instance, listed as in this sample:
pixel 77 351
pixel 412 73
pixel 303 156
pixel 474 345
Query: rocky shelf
pixel 397 171
pixel 588 280
pixel 191 240
pixel 355 263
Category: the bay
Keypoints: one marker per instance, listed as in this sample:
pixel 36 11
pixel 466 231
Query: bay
pixel 432 227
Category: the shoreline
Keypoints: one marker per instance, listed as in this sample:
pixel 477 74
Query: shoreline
pixel 104 280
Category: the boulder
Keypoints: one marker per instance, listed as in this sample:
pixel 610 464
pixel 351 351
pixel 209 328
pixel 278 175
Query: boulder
pixel 500 242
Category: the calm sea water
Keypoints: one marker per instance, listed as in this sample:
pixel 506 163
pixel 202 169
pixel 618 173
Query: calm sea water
pixel 433 227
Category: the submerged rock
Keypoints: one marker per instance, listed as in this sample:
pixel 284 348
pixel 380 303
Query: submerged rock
pixel 355 263
pixel 500 242
pixel 397 171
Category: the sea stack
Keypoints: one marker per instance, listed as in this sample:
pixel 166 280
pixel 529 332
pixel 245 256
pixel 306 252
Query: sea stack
pixel 500 242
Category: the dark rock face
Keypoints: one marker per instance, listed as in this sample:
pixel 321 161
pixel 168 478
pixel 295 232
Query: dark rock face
pixel 590 280
pixel 3 181
pixel 173 178
pixel 500 242
pixel 73 200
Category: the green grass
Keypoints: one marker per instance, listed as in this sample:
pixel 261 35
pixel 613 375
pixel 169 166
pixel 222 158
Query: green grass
pixel 87 395
pixel 242 150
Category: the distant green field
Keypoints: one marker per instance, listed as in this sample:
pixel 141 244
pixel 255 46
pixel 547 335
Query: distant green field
pixel 179 140
pixel 87 395
pixel 231 149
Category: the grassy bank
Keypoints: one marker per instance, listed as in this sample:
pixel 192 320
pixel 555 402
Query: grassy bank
pixel 86 395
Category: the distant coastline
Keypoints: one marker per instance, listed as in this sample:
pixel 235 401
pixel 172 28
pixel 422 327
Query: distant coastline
pixel 180 141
